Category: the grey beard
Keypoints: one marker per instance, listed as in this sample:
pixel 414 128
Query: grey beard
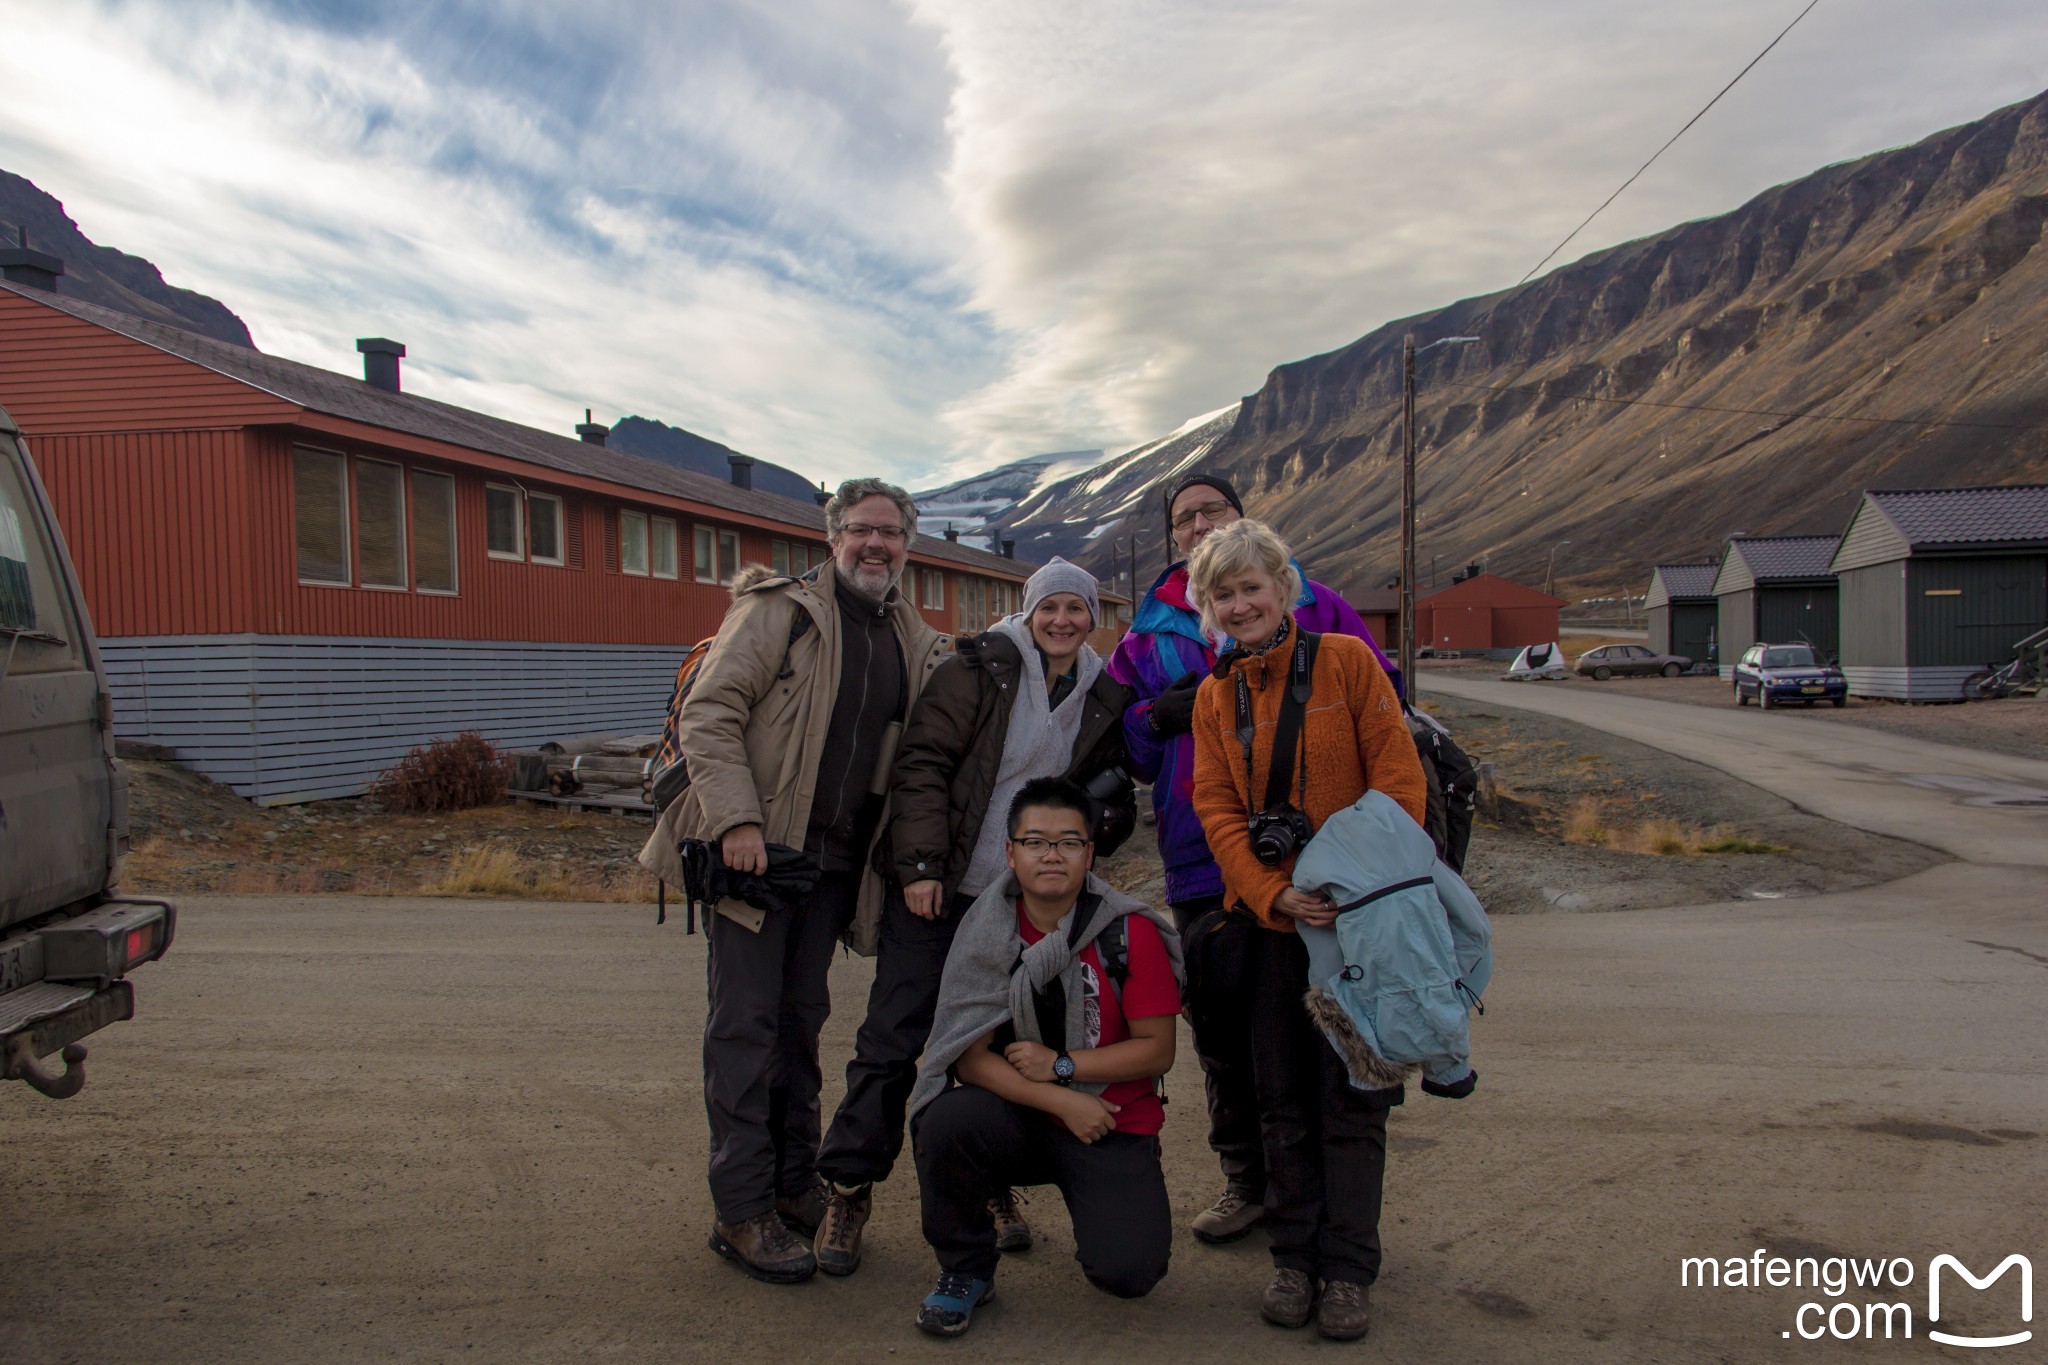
pixel 863 580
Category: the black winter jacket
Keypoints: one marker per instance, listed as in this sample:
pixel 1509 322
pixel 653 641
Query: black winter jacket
pixel 952 747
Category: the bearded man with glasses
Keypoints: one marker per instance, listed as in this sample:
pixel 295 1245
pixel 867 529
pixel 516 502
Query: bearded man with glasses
pixel 1163 660
pixel 789 730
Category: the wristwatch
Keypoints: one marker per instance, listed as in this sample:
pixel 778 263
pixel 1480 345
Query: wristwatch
pixel 1063 1070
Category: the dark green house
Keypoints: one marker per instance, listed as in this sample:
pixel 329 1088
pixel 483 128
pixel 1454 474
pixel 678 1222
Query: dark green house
pixel 1938 583
pixel 1776 590
pixel 1682 610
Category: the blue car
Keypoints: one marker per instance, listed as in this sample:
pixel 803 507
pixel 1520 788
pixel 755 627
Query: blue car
pixel 1777 674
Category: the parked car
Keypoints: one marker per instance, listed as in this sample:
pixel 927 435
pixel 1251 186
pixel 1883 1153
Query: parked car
pixel 1777 674
pixel 67 940
pixel 1626 661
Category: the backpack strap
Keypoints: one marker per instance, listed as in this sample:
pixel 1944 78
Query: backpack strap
pixel 1113 946
pixel 797 627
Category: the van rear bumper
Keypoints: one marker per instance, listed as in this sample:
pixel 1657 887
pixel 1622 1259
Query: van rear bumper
pixel 50 1015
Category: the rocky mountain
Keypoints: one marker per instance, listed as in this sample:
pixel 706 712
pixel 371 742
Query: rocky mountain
pixel 1880 323
pixel 102 275
pixel 965 505
pixel 657 440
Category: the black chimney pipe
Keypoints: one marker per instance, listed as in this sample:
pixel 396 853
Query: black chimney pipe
pixel 742 470
pixel 952 533
pixel 380 362
pixel 591 432
pixel 823 495
pixel 1473 571
pixel 1009 549
pixel 36 269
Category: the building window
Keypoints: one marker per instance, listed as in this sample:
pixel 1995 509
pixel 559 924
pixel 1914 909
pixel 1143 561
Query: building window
pixel 320 515
pixel 633 542
pixel 665 547
pixel 502 523
pixel 380 524
pixel 716 554
pixel 433 532
pixel 933 583
pixel 544 528
pixel 778 555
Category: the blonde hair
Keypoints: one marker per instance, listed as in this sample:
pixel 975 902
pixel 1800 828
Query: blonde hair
pixel 1243 546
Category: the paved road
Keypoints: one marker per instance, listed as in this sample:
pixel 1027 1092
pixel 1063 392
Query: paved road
pixel 1976 805
pixel 350 1129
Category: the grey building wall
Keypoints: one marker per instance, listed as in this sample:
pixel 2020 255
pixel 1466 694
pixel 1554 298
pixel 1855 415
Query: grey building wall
pixel 300 718
pixel 1735 617
pixel 1694 627
pixel 1970 612
pixel 1812 614
pixel 1660 630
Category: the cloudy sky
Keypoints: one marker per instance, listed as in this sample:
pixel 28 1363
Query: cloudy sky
pixel 924 237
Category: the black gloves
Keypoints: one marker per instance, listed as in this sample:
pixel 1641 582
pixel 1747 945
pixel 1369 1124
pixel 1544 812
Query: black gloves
pixel 1173 711
pixel 1456 1090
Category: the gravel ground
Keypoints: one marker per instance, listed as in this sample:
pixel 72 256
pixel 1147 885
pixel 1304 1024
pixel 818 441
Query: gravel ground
pixel 2015 725
pixel 1521 862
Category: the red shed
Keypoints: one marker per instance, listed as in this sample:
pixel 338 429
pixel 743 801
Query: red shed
pixel 1486 612
pixel 297 575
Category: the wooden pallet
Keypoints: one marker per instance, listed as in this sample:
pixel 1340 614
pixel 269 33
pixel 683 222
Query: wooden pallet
pixel 610 802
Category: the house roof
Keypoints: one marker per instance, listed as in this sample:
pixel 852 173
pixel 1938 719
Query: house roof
pixel 1490 590
pixel 1688 580
pixel 351 399
pixel 1929 517
pixel 1770 559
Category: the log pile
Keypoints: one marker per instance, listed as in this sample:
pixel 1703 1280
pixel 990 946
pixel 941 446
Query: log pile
pixel 590 766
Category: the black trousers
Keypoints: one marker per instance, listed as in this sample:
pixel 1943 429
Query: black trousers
pixel 768 1001
pixel 972 1144
pixel 1326 1143
pixel 866 1135
pixel 1217 947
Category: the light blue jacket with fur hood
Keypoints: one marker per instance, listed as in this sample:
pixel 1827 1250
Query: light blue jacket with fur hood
pixel 1393 984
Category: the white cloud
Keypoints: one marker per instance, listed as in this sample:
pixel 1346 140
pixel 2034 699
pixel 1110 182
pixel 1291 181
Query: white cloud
pixel 929 237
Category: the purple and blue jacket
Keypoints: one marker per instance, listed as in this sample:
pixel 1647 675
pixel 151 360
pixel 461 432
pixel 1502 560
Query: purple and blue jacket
pixel 1164 643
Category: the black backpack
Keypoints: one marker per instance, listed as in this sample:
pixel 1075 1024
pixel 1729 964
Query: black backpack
pixel 1453 789
pixel 671 776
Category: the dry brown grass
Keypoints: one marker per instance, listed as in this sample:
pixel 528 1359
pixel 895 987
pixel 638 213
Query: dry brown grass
pixel 475 870
pixel 1586 823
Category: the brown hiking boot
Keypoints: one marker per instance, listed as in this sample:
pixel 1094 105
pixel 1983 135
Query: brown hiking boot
pixel 1344 1312
pixel 803 1212
pixel 838 1241
pixel 1235 1212
pixel 1012 1232
pixel 764 1248
pixel 1289 1298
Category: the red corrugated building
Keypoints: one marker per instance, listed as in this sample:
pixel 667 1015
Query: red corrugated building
pixel 1486 612
pixel 296 574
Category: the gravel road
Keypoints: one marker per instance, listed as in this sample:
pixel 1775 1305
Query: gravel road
pixel 351 1128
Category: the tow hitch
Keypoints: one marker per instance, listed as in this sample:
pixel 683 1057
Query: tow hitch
pixel 58 1085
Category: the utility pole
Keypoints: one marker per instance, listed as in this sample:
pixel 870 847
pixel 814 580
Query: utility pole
pixel 1408 512
pixel 1408 354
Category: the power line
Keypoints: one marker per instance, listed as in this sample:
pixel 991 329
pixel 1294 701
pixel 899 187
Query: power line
pixel 1745 412
pixel 1667 146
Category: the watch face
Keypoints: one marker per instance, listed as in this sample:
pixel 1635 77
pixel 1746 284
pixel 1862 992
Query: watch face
pixel 1063 1067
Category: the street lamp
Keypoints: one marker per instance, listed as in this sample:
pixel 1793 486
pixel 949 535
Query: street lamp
pixel 1550 574
pixel 1408 353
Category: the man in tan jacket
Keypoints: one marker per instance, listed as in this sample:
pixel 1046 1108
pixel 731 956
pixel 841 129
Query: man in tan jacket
pixel 787 735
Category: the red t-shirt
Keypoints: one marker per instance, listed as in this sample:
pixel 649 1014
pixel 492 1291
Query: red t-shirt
pixel 1149 991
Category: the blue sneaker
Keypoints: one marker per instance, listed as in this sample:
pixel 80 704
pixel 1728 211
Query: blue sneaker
pixel 950 1306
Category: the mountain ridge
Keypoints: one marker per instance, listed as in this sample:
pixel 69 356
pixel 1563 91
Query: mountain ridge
pixel 1645 401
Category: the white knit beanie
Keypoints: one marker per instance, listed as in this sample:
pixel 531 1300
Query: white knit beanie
pixel 1060 576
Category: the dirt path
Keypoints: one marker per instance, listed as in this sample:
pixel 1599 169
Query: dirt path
pixel 348 1128
pixel 2013 725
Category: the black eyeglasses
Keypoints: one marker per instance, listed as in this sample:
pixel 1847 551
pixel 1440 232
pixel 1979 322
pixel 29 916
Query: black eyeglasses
pixel 1211 512
pixel 1032 844
pixel 860 531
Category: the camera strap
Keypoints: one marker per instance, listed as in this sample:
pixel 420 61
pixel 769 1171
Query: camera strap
pixel 1287 732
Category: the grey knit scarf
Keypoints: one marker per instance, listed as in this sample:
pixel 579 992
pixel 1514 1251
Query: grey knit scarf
pixel 1039 743
pixel 980 992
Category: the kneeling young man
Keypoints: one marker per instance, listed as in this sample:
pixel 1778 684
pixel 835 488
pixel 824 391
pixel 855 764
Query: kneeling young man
pixel 1055 1021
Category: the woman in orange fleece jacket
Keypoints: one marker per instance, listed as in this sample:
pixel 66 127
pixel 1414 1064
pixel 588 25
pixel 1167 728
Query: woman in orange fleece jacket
pixel 1326 1143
